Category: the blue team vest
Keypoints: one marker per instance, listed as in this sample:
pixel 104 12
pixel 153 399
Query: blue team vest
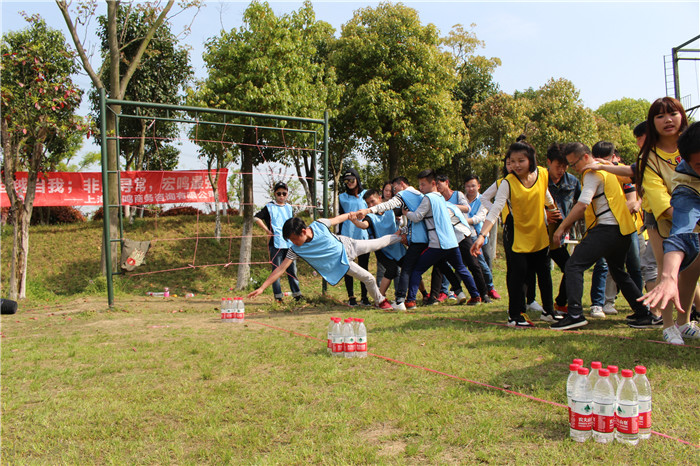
pixel 417 232
pixel 441 218
pixel 325 253
pixel 386 225
pixel 351 204
pixel 278 215
pixel 476 206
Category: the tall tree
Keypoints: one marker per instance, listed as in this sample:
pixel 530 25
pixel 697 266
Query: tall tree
pixel 625 111
pixel 38 104
pixel 398 88
pixel 269 65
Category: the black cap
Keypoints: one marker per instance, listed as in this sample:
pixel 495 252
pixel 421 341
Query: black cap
pixel 348 175
pixel 279 185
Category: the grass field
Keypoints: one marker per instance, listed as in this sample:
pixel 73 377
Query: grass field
pixel 158 380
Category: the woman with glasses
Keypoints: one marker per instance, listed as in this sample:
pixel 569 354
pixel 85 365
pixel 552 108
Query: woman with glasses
pixel 351 201
pixel 271 219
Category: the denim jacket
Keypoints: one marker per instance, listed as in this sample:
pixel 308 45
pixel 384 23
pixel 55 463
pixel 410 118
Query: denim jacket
pixel 565 193
pixel 686 215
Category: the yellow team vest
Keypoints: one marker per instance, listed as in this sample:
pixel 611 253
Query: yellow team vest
pixel 616 202
pixel 530 228
pixel 506 209
pixel 660 165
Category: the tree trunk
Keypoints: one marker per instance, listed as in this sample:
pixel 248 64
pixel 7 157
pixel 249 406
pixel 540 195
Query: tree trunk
pixel 246 239
pixel 393 158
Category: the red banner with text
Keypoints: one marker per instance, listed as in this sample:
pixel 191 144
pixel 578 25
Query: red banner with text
pixel 138 188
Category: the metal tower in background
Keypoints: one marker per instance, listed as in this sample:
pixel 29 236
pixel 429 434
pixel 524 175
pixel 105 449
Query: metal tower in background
pixel 673 86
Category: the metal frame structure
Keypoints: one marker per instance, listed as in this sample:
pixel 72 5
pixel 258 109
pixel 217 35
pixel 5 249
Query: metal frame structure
pixel 676 56
pixel 171 115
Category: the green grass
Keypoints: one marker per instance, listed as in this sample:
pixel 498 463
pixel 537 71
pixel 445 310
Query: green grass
pixel 144 383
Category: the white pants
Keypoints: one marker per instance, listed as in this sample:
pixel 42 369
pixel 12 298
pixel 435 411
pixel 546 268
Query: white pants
pixel 358 247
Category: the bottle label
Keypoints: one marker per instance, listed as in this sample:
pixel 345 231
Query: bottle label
pixel 361 344
pixel 240 315
pixel 349 344
pixel 338 345
pixel 582 415
pixel 627 419
pixel 330 342
pixel 644 414
pixel 603 417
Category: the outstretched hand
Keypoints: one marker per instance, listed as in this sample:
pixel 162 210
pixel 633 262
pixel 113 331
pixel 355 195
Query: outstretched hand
pixel 476 247
pixel 663 293
pixel 255 293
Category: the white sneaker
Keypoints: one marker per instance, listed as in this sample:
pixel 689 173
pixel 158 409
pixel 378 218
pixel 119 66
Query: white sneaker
pixel 689 330
pixel 673 335
pixel 461 297
pixel 451 296
pixel 609 309
pixel 597 312
pixel 534 307
pixel 398 306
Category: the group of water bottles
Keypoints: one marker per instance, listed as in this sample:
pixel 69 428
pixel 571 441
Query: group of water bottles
pixel 232 310
pixel 605 406
pixel 347 339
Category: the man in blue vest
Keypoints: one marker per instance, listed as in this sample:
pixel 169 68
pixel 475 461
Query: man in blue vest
pixel 330 255
pixel 271 219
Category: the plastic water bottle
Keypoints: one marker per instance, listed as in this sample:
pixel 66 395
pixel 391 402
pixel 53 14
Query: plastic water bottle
pixel 337 338
pixel 594 374
pixel 603 409
pixel 570 381
pixel 240 311
pixel 224 309
pixel 361 339
pixel 329 336
pixel 348 339
pixel 627 410
pixel 582 418
pixel 644 398
pixel 614 377
pixel 231 310
pixel 355 326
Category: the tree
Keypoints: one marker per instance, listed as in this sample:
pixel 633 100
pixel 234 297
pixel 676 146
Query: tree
pixel 270 65
pixel 398 88
pixel 625 111
pixel 118 78
pixel 38 104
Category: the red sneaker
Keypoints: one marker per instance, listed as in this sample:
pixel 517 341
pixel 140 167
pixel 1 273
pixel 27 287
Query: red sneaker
pixel 474 301
pixel 410 304
pixel 441 297
pixel 493 294
pixel 564 309
pixel 385 305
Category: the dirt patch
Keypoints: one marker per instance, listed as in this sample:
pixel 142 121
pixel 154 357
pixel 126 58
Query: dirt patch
pixel 384 436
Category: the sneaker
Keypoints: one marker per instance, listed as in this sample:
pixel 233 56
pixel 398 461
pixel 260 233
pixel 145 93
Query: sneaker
pixel 673 336
pixel 299 298
pixel 430 301
pixel 636 316
pixel 597 312
pixel 410 304
pixel 551 317
pixel 534 307
pixel 352 302
pixel 609 309
pixel 461 297
pixel 398 306
pixel 385 305
pixel 493 294
pixel 474 301
pixel 486 299
pixel 689 330
pixel 365 302
pixel 569 322
pixel 521 322
pixel 648 321
pixel 441 297
pixel 451 296
pixel 561 309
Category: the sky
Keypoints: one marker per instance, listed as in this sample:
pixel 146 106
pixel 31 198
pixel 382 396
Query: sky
pixel 609 50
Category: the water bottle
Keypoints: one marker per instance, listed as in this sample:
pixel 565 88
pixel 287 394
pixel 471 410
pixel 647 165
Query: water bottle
pixel 329 336
pixel 627 410
pixel 337 338
pixel 224 309
pixel 578 361
pixel 361 339
pixel 614 377
pixel 231 310
pixel 240 311
pixel 355 326
pixel 582 419
pixel 644 398
pixel 348 339
pixel 593 375
pixel 603 409
pixel 570 381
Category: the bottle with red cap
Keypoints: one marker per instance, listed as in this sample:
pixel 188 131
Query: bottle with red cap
pixel 594 374
pixel 644 398
pixel 570 382
pixel 348 339
pixel 582 411
pixel 361 339
pixel 337 336
pixel 614 377
pixel 329 336
pixel 603 409
pixel 627 411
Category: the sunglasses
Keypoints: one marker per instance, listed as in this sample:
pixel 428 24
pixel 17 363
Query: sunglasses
pixel 280 194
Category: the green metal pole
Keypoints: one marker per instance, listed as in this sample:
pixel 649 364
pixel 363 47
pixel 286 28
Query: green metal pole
pixel 107 249
pixel 676 81
pixel 325 178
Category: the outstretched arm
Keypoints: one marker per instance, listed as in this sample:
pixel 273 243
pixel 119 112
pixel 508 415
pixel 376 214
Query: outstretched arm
pixel 577 212
pixel 667 289
pixel 339 219
pixel 274 276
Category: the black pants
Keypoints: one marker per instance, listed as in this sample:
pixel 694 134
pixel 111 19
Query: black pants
pixel 362 261
pixel 601 241
pixel 413 253
pixel 518 265
pixel 472 264
pixel 560 256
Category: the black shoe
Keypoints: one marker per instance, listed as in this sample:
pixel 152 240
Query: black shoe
pixel 486 299
pixel 430 301
pixel 648 321
pixel 352 302
pixel 637 316
pixel 569 322
pixel 299 298
pixel 365 302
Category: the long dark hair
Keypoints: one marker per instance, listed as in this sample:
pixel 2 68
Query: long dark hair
pixel 662 105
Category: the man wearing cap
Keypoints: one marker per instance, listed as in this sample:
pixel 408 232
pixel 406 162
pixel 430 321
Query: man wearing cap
pixel 271 219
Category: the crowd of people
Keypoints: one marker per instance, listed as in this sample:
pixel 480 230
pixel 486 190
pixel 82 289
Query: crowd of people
pixel 627 222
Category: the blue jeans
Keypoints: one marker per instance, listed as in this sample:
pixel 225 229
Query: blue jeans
pixel 276 257
pixel 432 256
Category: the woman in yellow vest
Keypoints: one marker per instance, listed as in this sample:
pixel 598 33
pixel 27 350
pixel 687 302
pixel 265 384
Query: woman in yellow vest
pixel 609 228
pixel 656 166
pixel 525 191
